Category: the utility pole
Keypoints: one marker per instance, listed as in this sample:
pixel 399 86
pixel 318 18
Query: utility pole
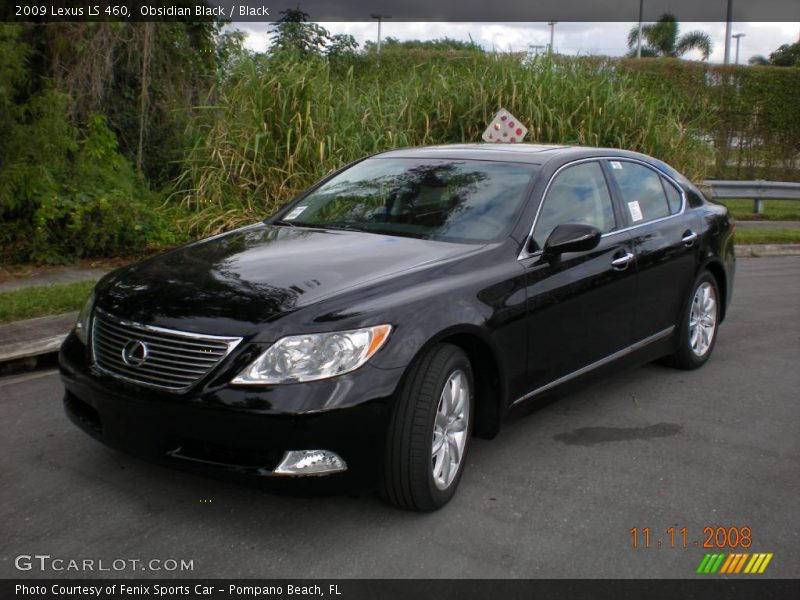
pixel 380 18
pixel 639 37
pixel 738 36
pixel 728 19
pixel 552 25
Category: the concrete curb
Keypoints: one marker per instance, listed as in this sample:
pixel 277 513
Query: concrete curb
pixel 768 224
pixel 759 250
pixel 35 337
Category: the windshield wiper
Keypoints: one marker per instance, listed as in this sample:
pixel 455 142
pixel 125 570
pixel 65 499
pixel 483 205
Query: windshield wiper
pixel 337 225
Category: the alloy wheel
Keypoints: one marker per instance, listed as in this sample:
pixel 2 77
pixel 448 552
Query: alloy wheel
pixel 703 319
pixel 450 429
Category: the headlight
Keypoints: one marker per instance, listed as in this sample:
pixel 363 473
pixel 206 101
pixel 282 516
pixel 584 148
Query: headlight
pixel 84 318
pixel 315 356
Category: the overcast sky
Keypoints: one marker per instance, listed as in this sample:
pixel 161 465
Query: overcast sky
pixel 570 38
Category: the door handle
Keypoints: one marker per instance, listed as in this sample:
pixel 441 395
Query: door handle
pixel 621 263
pixel 689 238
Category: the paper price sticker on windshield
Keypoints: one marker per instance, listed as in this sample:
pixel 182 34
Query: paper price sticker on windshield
pixel 505 128
pixel 295 212
pixel 636 212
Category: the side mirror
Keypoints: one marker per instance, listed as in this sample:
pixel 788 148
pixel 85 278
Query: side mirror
pixel 571 238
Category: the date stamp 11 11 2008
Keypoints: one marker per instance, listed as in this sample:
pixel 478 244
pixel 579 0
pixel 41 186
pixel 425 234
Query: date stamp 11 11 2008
pixel 677 538
pixel 736 540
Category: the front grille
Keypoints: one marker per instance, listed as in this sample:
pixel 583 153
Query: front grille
pixel 153 356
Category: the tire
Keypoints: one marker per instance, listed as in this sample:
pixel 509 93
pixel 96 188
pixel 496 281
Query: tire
pixel 416 477
pixel 697 342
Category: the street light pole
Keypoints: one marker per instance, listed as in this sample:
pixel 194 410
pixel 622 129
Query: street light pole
pixel 728 19
pixel 639 37
pixel 552 25
pixel 738 36
pixel 380 18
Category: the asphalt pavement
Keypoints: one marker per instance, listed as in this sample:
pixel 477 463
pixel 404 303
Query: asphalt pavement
pixel 554 495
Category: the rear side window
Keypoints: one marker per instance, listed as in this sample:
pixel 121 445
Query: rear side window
pixel 673 197
pixel 579 196
pixel 643 194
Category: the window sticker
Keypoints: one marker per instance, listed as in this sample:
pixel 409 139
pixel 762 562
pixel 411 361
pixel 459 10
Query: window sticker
pixel 295 212
pixel 636 212
pixel 615 164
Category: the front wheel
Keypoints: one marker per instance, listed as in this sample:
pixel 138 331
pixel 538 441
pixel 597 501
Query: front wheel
pixel 698 326
pixel 429 432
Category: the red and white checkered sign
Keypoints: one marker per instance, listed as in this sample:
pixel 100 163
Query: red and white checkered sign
pixel 505 128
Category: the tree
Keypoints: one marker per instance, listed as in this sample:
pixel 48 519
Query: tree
pixel 788 55
pixel 293 33
pixel 230 50
pixel 341 45
pixel 660 39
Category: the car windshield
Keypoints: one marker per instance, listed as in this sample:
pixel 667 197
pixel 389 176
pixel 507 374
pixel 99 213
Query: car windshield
pixel 449 200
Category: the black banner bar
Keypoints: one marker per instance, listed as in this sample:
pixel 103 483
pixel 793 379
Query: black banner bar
pixel 399 10
pixel 399 589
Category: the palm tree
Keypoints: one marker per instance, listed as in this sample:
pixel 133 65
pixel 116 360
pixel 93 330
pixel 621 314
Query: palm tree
pixel 661 39
pixel 788 55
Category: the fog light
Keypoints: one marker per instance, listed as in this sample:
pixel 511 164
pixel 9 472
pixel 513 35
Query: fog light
pixel 310 462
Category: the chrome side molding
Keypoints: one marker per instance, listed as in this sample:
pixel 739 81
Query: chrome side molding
pixel 597 364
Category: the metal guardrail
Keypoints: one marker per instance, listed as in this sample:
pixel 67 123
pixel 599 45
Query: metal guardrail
pixel 757 191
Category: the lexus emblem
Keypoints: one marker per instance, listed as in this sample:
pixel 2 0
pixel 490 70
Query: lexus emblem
pixel 134 353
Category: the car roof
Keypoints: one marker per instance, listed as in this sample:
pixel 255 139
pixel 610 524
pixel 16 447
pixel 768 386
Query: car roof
pixel 538 154
pixel 527 153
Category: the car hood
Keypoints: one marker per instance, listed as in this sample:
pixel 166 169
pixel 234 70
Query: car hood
pixel 232 283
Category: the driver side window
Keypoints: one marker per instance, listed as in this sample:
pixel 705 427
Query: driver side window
pixel 578 195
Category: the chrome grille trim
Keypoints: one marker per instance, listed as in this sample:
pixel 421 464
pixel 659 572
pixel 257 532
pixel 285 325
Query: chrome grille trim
pixel 175 361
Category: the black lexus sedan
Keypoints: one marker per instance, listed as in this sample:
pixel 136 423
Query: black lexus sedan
pixel 358 338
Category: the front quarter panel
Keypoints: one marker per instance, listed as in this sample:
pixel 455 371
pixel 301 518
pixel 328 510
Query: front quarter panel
pixel 482 296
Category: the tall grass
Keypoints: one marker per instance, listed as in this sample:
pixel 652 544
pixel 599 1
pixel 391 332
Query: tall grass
pixel 280 124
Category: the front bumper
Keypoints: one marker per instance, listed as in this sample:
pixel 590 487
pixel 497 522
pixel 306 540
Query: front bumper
pixel 238 433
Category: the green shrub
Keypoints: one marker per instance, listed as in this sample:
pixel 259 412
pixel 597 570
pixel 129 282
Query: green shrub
pixel 280 124
pixel 66 190
pixel 751 113
pixel 66 197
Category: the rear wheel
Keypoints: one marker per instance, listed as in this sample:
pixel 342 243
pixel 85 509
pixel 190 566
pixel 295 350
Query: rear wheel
pixel 429 432
pixel 698 326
